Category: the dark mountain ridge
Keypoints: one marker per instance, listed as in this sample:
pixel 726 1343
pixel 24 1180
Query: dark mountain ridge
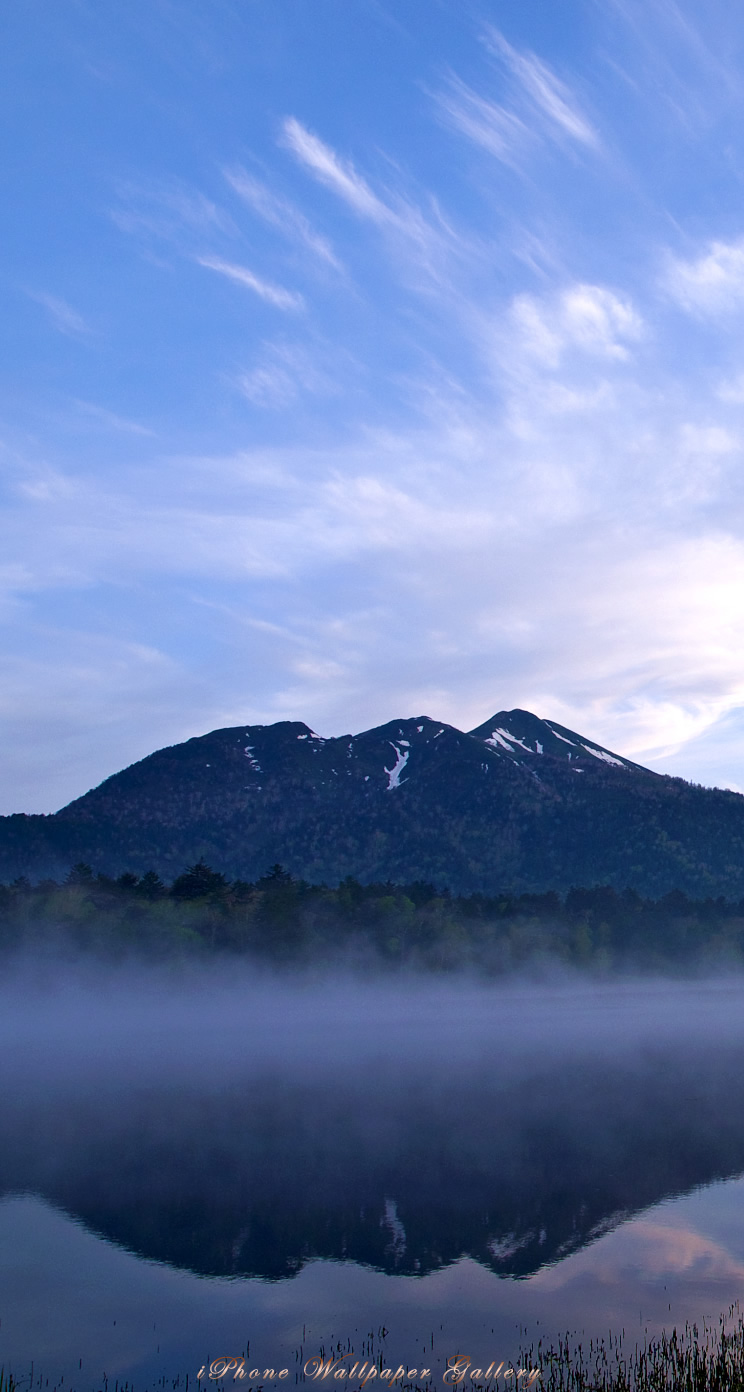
pixel 518 804
pixel 400 1168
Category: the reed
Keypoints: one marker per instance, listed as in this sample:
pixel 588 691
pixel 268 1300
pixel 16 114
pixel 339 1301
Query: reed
pixel 710 1359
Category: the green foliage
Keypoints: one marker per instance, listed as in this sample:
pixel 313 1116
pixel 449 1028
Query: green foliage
pixel 286 920
pixel 198 882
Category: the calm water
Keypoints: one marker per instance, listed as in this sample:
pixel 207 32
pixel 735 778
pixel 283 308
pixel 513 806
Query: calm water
pixel 193 1168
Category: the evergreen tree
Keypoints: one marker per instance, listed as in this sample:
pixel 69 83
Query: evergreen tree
pixel 151 886
pixel 80 874
pixel 199 881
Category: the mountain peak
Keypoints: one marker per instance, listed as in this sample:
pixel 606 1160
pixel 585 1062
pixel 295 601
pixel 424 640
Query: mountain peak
pixel 518 732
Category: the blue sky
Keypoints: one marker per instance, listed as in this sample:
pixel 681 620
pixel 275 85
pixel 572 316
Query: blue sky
pixel 370 358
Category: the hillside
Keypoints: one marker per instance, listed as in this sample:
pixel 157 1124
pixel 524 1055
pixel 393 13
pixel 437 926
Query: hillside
pixel 518 804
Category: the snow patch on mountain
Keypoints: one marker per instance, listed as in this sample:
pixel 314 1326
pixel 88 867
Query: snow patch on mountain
pixel 398 767
pixel 602 754
pixel 560 737
pixel 513 740
pixel 497 739
pixel 506 740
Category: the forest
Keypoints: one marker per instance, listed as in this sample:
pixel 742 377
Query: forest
pixel 283 920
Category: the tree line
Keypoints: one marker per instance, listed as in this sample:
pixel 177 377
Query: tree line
pixel 284 919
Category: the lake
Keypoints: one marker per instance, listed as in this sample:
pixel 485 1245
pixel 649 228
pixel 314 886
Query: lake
pixel 220 1163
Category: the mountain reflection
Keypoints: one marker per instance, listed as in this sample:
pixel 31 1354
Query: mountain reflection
pixel 404 1163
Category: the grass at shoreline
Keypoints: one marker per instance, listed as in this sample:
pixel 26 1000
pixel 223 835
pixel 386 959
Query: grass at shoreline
pixel 710 1359
pixel 695 1360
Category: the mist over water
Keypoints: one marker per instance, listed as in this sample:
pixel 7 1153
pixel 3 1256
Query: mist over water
pixel 469 1146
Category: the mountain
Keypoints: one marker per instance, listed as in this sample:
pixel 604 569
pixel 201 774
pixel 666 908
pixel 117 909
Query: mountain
pixel 401 1167
pixel 518 804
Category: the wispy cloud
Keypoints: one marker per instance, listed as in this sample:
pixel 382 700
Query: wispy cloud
pixel 426 241
pixel 280 213
pixel 485 122
pixel 284 371
pixel 171 211
pixel 337 174
pixel 549 96
pixel 110 420
pixel 265 289
pixel 64 318
pixel 712 283
pixel 685 72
